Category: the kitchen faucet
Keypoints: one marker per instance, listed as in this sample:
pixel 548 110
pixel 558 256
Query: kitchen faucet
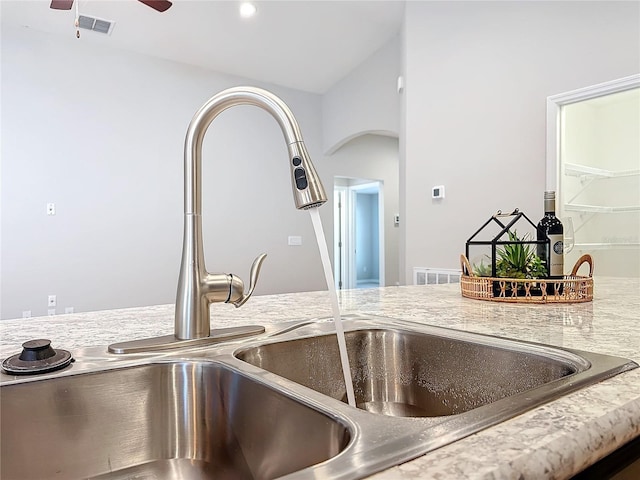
pixel 197 288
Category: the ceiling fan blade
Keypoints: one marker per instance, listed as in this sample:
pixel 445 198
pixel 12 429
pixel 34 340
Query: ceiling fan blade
pixel 61 4
pixel 159 5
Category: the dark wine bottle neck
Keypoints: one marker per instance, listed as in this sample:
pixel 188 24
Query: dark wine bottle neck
pixel 549 203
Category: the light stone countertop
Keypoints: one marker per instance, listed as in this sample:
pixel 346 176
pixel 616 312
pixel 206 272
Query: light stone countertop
pixel 555 440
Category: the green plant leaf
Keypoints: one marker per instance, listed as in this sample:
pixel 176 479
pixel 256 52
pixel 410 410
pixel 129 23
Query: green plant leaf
pixel 518 260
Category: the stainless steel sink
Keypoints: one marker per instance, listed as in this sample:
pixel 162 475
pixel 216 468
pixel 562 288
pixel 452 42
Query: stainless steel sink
pixel 169 420
pixel 406 373
pixel 273 406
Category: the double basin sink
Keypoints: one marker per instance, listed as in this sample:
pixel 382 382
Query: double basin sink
pixel 275 405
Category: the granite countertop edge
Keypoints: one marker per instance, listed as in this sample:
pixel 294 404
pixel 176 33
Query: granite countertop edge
pixel 555 440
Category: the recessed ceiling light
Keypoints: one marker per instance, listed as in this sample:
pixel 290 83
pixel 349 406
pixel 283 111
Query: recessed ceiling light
pixel 247 9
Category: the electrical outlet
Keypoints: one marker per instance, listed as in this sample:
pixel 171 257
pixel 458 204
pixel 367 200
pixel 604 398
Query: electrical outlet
pixel 68 310
pixel 52 301
pixel 51 312
pixel 51 208
pixel 26 314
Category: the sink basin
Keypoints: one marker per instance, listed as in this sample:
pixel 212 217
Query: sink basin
pixel 274 406
pixel 431 373
pixel 188 419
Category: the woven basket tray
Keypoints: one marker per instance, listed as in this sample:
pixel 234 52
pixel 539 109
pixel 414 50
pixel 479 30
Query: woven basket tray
pixel 570 289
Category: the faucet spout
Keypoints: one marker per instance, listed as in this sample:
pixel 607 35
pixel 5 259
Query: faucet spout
pixel 196 287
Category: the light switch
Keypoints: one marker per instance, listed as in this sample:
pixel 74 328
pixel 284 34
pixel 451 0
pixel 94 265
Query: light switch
pixel 295 240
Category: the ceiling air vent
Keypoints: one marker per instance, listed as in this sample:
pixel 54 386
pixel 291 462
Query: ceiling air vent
pixel 96 24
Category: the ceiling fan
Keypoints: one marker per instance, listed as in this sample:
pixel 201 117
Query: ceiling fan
pixel 159 5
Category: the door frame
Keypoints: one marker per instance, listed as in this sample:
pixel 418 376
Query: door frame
pixel 341 273
pixel 345 231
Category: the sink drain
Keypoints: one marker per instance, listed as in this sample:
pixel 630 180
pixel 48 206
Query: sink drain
pixel 37 356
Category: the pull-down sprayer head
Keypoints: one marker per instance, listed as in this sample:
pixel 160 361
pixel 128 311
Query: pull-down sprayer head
pixel 308 191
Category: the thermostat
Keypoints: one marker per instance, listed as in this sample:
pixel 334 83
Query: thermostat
pixel 437 191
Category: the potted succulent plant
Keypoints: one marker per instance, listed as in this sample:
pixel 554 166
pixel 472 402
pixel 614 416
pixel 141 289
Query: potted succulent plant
pixel 518 259
pixel 513 260
pixel 481 269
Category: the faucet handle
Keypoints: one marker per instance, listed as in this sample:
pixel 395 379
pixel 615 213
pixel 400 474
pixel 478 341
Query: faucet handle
pixel 253 279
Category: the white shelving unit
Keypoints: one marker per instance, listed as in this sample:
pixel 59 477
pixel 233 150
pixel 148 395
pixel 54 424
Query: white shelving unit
pixel 594 160
pixel 599 208
pixel 575 170
pixel 606 246
pixel 588 175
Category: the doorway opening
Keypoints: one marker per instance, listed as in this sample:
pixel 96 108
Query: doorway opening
pixel 358 233
pixel 593 156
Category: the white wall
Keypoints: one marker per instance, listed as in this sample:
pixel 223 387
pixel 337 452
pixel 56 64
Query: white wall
pixel 372 157
pixel 477 78
pixel 365 101
pixel 100 132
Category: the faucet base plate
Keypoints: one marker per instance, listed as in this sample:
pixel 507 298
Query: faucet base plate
pixel 170 342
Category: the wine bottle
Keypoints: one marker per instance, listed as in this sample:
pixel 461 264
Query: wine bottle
pixel 550 230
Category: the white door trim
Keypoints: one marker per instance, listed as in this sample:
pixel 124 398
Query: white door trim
pixel 347 211
pixel 340 267
pixel 554 120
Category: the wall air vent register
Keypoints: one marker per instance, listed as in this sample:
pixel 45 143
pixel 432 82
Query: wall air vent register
pixel 435 276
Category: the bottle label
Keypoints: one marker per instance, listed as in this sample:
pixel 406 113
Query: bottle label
pixel 556 257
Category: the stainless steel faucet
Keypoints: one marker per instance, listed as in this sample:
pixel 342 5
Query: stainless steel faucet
pixel 197 288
